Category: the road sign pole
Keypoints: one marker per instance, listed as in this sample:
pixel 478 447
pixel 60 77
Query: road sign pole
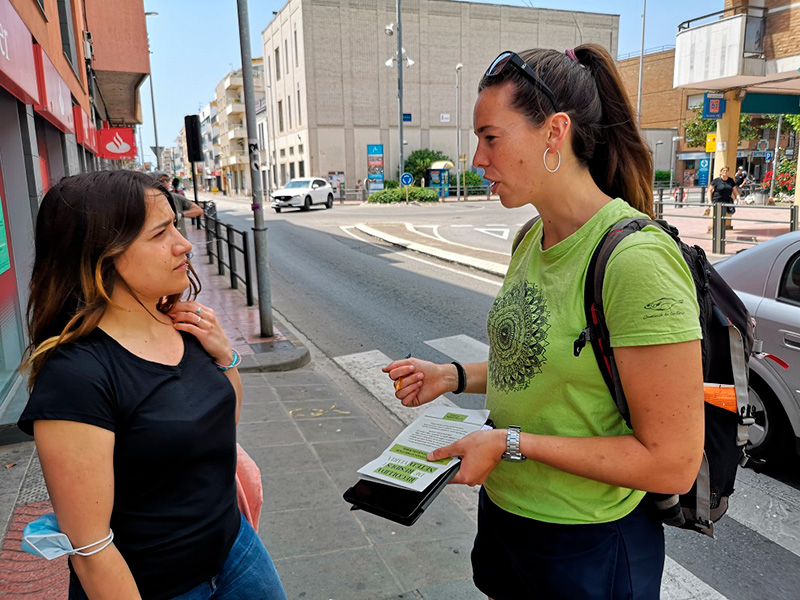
pixel 775 158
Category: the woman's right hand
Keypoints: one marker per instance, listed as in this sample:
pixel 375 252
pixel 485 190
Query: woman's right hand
pixel 417 382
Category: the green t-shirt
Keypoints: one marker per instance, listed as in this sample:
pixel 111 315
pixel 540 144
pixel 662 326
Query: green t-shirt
pixel 536 382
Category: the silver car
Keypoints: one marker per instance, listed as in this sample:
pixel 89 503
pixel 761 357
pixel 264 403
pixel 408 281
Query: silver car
pixel 303 193
pixel 767 279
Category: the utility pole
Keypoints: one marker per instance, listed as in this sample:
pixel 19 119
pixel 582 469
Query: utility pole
pixel 459 66
pixel 775 157
pixel 259 229
pixel 641 69
pixel 400 65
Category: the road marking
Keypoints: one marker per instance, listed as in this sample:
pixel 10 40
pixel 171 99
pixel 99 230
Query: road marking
pixel 434 231
pixel 346 229
pixel 501 233
pixel 678 583
pixel 365 368
pixel 462 348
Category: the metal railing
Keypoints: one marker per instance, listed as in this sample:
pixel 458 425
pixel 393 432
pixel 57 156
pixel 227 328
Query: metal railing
pixel 221 245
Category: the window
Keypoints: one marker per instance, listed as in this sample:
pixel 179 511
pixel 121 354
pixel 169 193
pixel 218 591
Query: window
pixel 299 114
pixel 286 55
pixel 301 167
pixel 291 170
pixel 269 70
pixel 289 109
pixel 283 153
pixel 67 31
pixel 300 149
pixel 280 116
pixel 694 101
pixel 291 150
pixel 278 66
pixel 296 54
pixel 790 282
pixel 261 135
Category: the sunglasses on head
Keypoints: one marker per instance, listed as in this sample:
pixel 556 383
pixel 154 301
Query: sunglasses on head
pixel 500 64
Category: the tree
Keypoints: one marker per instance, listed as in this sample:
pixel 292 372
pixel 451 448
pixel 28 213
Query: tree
pixel 695 130
pixel 419 161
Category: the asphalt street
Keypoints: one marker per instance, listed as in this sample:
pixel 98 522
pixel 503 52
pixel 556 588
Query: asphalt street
pixel 355 296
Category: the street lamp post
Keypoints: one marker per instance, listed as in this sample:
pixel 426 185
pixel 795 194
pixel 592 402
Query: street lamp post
pixel 400 57
pixel 641 69
pixel 675 138
pixel 655 160
pixel 153 100
pixel 459 66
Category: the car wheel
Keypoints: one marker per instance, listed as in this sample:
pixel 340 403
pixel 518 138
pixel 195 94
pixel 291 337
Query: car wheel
pixel 307 203
pixel 329 203
pixel 768 435
pixel 277 209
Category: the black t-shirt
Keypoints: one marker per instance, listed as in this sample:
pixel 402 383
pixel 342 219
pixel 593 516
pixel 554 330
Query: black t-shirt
pixel 723 188
pixel 739 179
pixel 175 515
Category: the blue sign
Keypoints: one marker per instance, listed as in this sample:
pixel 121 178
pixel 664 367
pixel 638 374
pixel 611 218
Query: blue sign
pixel 702 172
pixel 713 106
pixel 375 167
pixel 406 179
pixel 768 157
pixel 406 117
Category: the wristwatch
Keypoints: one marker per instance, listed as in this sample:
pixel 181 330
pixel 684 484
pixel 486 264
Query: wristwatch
pixel 512 452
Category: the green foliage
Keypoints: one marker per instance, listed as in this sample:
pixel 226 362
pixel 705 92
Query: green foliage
pixel 390 184
pixel 695 130
pixel 420 161
pixel 747 131
pixel 415 194
pixel 468 179
pixel 792 121
pixel 787 175
pixel 662 176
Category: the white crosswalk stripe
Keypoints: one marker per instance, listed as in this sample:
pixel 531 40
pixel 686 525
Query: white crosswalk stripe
pixel 768 508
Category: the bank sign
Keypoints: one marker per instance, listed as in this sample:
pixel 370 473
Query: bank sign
pixel 17 68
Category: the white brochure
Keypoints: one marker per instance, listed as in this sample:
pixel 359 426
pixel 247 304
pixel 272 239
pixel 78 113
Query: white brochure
pixel 404 463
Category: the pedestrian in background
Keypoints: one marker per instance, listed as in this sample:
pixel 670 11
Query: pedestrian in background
pixel 184 206
pixel 724 190
pixel 563 515
pixel 134 400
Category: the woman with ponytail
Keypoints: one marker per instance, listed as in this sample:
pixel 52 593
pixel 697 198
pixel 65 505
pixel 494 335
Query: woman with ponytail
pixel 563 477
pixel 134 401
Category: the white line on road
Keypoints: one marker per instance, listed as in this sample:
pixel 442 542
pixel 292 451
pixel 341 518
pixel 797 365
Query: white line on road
pixel 434 231
pixel 463 348
pixel 679 584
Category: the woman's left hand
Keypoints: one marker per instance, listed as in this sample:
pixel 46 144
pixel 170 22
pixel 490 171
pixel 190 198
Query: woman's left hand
pixel 201 322
pixel 480 452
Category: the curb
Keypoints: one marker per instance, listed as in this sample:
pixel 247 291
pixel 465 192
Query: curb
pixel 283 355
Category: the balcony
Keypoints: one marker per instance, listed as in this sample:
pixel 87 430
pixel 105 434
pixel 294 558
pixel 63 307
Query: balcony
pixel 237 132
pixel 234 81
pixel 729 53
pixel 234 108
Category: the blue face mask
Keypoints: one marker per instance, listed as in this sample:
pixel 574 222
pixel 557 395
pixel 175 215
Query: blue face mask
pixel 42 537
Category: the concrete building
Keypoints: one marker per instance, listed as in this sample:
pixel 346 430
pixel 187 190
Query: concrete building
pixel 332 95
pixel 65 68
pixel 233 128
pixel 209 133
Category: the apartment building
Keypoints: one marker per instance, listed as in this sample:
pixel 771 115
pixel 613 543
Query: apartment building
pixel 66 67
pixel 332 94
pixel 209 133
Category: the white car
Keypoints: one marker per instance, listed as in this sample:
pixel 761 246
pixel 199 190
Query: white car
pixel 303 193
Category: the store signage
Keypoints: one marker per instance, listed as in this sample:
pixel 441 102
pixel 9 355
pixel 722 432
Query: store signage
pixel 713 106
pixel 81 125
pixel 703 171
pixel 117 143
pixel 55 99
pixel 17 67
pixel 375 167
pixel 711 142
pixel 93 143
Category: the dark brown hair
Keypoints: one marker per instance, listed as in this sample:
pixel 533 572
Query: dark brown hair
pixel 605 136
pixel 84 223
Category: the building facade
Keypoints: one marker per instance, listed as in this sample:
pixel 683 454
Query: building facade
pixel 332 94
pixel 209 133
pixel 66 67
pixel 229 99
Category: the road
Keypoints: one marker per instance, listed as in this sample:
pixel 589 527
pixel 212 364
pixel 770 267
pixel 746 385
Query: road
pixel 356 297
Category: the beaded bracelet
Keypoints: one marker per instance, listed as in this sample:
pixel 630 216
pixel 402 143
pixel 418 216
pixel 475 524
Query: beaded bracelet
pixel 237 359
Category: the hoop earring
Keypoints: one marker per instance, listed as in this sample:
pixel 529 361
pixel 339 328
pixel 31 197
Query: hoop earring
pixel 544 160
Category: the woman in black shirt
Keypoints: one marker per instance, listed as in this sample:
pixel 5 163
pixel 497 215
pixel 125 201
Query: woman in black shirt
pixel 135 398
pixel 723 189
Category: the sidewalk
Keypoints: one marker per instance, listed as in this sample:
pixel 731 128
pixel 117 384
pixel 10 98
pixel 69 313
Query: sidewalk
pixel 309 429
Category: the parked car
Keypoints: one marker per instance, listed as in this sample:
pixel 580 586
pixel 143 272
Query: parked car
pixel 303 193
pixel 767 279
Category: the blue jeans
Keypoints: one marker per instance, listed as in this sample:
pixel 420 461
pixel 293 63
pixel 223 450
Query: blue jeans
pixel 247 574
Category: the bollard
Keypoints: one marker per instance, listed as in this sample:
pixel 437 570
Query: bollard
pixel 658 208
pixel 248 283
pixel 232 259
pixel 793 214
pixel 718 229
pixel 220 266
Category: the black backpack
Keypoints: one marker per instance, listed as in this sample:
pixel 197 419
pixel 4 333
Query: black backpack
pixel 727 345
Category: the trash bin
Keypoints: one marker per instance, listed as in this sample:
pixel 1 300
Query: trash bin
pixel 760 197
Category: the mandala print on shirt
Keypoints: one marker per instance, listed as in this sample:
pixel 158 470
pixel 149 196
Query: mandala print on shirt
pixel 518 325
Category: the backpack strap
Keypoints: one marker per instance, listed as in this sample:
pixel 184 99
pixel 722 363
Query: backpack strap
pixel 596 331
pixel 522 233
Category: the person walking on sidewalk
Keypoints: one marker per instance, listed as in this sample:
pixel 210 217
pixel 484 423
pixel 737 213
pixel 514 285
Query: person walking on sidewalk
pixel 134 400
pixel 562 516
pixel 724 190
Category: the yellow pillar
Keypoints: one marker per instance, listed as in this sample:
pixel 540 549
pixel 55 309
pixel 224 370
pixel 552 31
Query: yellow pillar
pixel 797 179
pixel 728 134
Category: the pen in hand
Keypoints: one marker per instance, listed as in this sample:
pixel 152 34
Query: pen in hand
pixel 399 381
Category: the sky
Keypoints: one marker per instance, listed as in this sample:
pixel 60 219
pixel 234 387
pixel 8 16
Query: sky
pixel 194 43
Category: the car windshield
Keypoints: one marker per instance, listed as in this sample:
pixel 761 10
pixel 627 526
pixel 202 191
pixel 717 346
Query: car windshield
pixel 298 183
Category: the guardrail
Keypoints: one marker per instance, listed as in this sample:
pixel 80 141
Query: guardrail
pixel 221 245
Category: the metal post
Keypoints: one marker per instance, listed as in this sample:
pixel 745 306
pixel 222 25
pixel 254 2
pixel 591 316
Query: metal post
pixel 218 236
pixel 232 258
pixel 718 229
pixel 259 230
pixel 793 217
pixel 459 66
pixel 248 280
pixel 775 158
pixel 400 62
pixel 194 181
pixel 155 127
pixel 641 68
pixel 273 164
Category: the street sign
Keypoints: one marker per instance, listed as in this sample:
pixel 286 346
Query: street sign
pixel 406 117
pixel 768 156
pixel 702 172
pixel 713 106
pixel 711 142
pixel 762 145
pixel 758 154
pixel 444 117
pixel 406 179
